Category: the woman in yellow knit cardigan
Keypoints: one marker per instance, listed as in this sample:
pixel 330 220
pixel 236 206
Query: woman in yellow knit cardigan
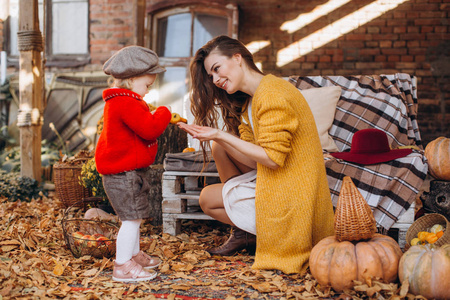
pixel 268 156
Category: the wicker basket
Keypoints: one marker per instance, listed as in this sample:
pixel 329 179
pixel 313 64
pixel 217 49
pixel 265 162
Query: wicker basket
pixel 83 245
pixel 66 177
pixel 424 223
pixel 353 220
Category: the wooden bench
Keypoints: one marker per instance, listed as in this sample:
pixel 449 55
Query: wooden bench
pixel 181 191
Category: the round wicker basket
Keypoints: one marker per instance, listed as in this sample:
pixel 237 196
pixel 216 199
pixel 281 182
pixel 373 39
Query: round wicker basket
pixel 353 220
pixel 88 243
pixel 424 223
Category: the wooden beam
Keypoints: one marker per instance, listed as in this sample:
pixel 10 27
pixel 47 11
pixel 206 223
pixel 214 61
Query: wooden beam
pixel 139 22
pixel 30 89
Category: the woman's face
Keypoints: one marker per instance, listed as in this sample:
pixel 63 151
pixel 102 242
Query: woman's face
pixel 224 72
pixel 142 84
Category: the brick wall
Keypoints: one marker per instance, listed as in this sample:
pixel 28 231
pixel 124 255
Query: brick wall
pixel 112 27
pixel 414 38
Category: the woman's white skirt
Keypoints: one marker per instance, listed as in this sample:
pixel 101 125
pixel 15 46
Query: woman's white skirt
pixel 239 201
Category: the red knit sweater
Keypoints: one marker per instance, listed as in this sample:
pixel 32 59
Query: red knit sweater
pixel 128 139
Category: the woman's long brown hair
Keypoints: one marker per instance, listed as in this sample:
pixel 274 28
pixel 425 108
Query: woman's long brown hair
pixel 206 97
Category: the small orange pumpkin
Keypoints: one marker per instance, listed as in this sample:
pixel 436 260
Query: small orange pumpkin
pixel 437 153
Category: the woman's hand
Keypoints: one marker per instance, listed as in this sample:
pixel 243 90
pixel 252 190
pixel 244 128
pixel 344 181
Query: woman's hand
pixel 244 152
pixel 202 133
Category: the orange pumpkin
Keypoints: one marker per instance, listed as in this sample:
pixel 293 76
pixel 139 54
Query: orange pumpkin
pixel 337 264
pixel 437 153
pixel 427 268
pixel 355 252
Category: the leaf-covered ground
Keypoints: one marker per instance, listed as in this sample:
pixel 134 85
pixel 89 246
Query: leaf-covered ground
pixel 35 263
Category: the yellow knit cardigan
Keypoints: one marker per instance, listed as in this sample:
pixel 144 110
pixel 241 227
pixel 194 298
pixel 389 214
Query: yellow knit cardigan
pixel 293 203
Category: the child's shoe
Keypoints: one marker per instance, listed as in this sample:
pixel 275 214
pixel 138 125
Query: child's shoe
pixel 131 271
pixel 146 261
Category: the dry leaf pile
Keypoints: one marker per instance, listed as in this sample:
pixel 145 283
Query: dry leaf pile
pixel 36 264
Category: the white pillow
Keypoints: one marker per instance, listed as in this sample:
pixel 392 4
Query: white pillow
pixel 322 102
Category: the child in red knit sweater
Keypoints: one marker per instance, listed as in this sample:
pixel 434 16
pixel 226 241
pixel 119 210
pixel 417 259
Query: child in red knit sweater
pixel 126 148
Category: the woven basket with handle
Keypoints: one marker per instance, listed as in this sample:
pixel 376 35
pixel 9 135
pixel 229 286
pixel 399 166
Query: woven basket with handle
pixel 353 220
pixel 66 176
pixel 425 223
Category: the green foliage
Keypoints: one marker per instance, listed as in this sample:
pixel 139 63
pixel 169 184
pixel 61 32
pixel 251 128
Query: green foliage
pixel 6 96
pixel 15 187
pixel 5 138
pixel 5 90
pixel 10 158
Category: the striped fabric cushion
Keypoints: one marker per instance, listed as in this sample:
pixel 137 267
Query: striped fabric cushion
pixel 388 103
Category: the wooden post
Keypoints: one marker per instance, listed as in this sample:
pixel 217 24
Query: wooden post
pixel 31 94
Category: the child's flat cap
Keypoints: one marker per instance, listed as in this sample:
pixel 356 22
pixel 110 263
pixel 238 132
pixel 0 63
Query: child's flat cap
pixel 132 61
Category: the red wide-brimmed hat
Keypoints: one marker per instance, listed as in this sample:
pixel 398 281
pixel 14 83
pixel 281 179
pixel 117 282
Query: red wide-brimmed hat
pixel 370 146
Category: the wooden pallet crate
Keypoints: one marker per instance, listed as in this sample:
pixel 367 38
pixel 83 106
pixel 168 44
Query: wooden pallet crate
pixel 180 193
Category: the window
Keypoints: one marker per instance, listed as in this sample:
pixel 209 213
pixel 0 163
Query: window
pixel 176 34
pixel 66 31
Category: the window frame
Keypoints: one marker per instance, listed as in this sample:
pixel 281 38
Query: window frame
pixel 50 59
pixel 62 60
pixel 230 11
pixel 162 10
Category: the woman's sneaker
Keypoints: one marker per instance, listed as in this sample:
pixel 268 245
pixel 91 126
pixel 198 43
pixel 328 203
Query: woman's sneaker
pixel 131 271
pixel 146 261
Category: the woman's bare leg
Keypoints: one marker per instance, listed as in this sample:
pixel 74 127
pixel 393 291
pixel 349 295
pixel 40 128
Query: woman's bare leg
pixel 226 165
pixel 211 200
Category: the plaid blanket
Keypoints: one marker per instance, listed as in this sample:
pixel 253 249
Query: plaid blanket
pixel 388 103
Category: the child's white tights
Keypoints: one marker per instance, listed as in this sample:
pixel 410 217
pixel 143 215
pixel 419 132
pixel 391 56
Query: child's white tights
pixel 127 243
